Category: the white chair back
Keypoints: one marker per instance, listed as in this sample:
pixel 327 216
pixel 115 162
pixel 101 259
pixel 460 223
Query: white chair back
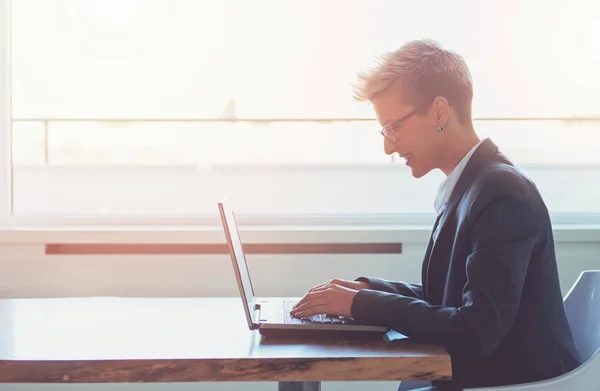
pixel 582 304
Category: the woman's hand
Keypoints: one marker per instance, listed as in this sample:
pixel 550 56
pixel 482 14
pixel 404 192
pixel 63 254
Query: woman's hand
pixel 331 298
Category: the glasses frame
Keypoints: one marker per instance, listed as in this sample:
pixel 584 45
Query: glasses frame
pixel 388 130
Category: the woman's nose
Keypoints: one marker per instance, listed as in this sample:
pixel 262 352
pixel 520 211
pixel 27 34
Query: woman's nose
pixel 388 146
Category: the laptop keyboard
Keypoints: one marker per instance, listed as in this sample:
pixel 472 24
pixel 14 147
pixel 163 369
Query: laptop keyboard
pixel 315 319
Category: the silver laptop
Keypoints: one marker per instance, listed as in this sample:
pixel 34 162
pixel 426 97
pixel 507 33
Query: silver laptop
pixel 271 316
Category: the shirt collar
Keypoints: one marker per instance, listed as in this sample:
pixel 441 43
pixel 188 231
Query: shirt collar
pixel 448 184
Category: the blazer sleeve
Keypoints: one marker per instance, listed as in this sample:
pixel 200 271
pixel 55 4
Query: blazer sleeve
pixel 398 287
pixel 503 237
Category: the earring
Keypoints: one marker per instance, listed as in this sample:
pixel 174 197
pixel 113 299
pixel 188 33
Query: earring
pixel 440 129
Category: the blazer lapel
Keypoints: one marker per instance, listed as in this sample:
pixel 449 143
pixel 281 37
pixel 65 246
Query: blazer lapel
pixel 480 157
pixel 484 153
pixel 432 239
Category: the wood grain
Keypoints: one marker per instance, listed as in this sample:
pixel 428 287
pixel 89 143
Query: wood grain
pixel 93 340
pixel 136 371
pixel 218 248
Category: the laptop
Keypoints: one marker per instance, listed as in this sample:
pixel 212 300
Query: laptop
pixel 271 316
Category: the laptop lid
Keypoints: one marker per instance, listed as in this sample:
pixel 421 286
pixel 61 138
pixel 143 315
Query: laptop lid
pixel 238 258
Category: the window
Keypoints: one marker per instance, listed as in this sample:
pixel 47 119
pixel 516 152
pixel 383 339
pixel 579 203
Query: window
pixel 163 107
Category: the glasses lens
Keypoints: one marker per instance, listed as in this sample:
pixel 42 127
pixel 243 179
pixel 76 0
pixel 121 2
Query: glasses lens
pixel 386 131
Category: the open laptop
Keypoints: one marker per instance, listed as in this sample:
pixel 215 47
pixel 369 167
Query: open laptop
pixel 271 316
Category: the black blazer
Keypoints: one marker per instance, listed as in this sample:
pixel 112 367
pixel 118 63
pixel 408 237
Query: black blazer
pixel 490 291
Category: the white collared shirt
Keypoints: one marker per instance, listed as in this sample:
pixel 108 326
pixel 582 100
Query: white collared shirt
pixel 448 184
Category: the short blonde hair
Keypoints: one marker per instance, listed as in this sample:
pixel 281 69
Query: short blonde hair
pixel 421 70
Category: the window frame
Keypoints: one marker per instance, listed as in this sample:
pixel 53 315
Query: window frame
pixel 5 115
pixel 25 225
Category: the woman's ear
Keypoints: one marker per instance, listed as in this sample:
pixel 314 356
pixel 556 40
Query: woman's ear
pixel 441 110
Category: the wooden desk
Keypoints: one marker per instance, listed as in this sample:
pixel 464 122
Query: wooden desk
pixel 184 340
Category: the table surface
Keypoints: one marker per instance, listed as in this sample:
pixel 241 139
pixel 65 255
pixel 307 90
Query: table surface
pixel 105 339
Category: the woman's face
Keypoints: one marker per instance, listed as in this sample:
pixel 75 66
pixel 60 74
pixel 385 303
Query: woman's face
pixel 417 138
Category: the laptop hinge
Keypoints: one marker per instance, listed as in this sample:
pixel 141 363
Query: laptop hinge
pixel 256 316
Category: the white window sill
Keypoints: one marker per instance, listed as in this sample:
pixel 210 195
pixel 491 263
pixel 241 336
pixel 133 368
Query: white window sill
pixel 174 234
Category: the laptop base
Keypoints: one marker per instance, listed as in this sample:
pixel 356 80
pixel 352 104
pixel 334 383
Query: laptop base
pixel 339 334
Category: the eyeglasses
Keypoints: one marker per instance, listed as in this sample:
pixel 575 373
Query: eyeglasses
pixel 388 130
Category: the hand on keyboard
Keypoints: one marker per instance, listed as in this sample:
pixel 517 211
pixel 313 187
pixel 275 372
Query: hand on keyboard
pixel 328 299
pixel 319 318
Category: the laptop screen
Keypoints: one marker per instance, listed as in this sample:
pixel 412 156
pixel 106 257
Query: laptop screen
pixel 237 257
